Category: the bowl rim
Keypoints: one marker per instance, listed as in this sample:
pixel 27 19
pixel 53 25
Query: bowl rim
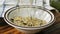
pixel 13 8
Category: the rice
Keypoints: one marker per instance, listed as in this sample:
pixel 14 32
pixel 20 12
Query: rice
pixel 28 21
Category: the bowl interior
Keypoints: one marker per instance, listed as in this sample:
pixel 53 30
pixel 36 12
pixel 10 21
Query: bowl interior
pixel 32 12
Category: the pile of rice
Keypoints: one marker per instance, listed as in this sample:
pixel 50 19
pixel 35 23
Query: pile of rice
pixel 28 21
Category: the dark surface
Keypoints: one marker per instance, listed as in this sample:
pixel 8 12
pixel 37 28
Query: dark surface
pixel 2 22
